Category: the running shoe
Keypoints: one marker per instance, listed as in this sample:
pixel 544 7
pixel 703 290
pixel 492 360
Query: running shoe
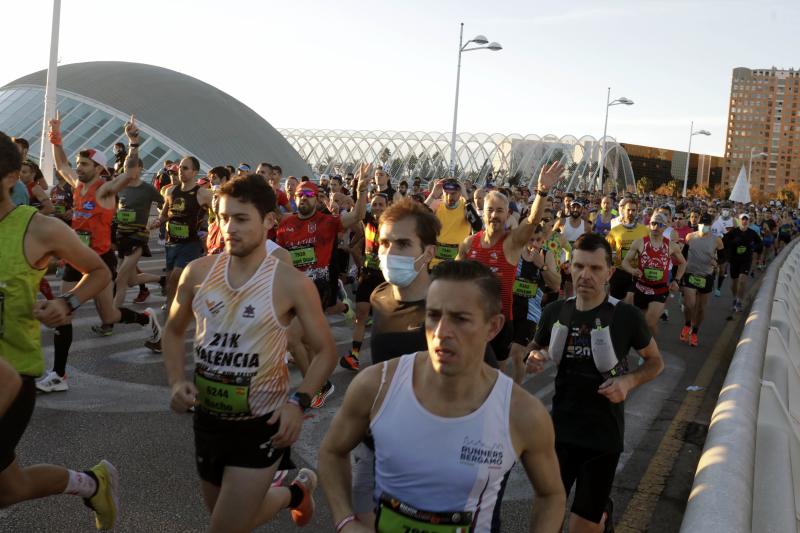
pixel 142 297
pixel 105 502
pixel 693 339
pixel 155 327
pixel 103 330
pixel 349 312
pixel 717 293
pixel 154 347
pixel 322 396
pixel 52 382
pixel 350 362
pixel 307 481
pixel 685 332
pixel 665 316
pixel 737 307
pixel 162 282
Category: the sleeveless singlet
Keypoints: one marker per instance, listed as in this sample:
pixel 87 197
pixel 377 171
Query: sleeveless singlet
pixel 91 222
pixel 702 252
pixel 272 247
pixel 528 290
pixel 655 264
pixel 371 244
pixel 572 233
pixel 20 338
pixel 600 226
pixel 184 215
pixel 444 464
pixel 495 259
pixel 32 200
pixel 455 228
pixel 239 344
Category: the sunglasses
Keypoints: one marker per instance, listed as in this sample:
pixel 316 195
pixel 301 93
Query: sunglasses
pixel 546 220
pixel 304 193
pixel 656 225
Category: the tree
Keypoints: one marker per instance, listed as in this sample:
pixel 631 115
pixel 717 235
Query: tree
pixel 644 185
pixel 385 155
pixel 698 191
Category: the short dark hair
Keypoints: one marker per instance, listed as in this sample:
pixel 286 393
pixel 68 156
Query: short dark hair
pixel 265 164
pixel 426 223
pixel 220 172
pixel 279 169
pixel 22 142
pixel 476 273
pixel 10 158
pixel 251 189
pixel 590 242
pixel 194 160
pixel 304 179
pixel 88 155
pixel 231 170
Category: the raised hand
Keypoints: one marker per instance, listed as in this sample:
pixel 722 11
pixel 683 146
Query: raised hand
pixel 363 177
pixel 132 130
pixel 550 175
pixel 55 129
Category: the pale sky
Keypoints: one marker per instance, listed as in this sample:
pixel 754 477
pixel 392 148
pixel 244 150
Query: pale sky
pixel 348 64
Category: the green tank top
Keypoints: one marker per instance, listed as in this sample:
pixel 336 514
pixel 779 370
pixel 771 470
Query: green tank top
pixel 20 339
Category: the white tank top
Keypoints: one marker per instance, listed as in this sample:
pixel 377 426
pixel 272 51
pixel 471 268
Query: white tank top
pixel 240 341
pixel 443 464
pixel 272 247
pixel 572 233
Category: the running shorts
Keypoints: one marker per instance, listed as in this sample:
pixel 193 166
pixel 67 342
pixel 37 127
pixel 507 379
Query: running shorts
pixel 14 422
pixel 109 258
pixel 327 294
pixel 738 267
pixel 127 244
pixel 524 330
pixel 181 254
pixel 702 284
pixel 501 343
pixel 621 284
pixel 642 301
pixel 368 279
pixel 243 443
pixel 593 470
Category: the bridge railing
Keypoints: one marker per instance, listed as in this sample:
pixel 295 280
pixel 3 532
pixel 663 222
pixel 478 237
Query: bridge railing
pixel 748 477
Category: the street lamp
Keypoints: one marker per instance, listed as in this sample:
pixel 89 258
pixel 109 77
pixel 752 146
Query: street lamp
pixel 750 166
pixel 619 101
pixel 692 133
pixel 483 44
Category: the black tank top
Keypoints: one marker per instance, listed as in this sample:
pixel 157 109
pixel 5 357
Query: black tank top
pixel 184 215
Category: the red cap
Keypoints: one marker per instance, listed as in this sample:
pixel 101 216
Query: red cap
pixel 309 186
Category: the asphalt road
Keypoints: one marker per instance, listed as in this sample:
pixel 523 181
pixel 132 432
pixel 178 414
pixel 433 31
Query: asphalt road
pixel 117 408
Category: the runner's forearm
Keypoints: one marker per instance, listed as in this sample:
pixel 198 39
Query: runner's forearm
pixel 651 368
pixel 322 366
pixel 336 480
pixel 548 513
pixel 172 345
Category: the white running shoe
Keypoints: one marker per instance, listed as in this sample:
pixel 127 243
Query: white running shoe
pixel 155 327
pixel 52 382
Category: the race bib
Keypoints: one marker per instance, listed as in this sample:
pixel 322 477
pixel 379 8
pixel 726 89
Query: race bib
pixel 372 262
pixel 60 209
pixel 446 251
pixel 526 289
pixel 653 274
pixel 85 237
pixel 697 281
pixel 218 395
pixel 178 230
pixel 741 250
pixel 303 256
pixel 397 517
pixel 127 216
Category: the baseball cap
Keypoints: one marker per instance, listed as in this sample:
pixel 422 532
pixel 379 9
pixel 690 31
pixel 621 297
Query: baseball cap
pixel 309 186
pixel 744 215
pixel 324 177
pixel 244 166
pixel 658 217
pixel 451 185
pixel 97 156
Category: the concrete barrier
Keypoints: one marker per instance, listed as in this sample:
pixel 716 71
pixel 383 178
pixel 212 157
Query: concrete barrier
pixel 748 477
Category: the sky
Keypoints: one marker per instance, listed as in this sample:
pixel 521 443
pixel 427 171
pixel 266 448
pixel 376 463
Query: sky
pixel 348 64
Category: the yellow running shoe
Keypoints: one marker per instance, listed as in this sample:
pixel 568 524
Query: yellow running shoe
pixel 105 502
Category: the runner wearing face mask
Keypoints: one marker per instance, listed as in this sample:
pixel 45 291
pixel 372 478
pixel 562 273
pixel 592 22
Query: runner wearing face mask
pixel 702 250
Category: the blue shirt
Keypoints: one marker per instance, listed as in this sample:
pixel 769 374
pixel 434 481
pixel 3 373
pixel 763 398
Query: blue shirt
pixel 19 194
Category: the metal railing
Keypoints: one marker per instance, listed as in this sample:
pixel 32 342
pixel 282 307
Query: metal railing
pixel 746 477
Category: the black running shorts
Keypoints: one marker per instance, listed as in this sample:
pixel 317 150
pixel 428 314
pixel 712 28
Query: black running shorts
pixel 368 279
pixel 14 422
pixel 244 443
pixel 642 301
pixel 501 343
pixel 702 284
pixel 109 258
pixel 740 267
pixel 593 471
pixel 524 330
pixel 126 244
pixel 621 284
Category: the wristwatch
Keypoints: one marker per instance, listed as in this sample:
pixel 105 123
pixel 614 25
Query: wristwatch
pixel 301 400
pixel 72 302
pixel 543 194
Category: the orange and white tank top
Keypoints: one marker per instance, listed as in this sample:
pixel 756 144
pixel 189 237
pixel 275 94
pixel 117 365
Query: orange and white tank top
pixel 239 344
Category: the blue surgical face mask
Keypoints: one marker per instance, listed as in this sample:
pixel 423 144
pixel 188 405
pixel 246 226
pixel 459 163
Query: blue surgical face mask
pixel 704 229
pixel 399 269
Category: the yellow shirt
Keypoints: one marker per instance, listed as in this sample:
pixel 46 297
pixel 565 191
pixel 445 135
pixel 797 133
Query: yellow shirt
pixel 620 238
pixel 455 228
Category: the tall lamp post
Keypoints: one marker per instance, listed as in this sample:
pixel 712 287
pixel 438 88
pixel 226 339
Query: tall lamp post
pixel 750 165
pixel 692 133
pixel 46 153
pixel 619 101
pixel 483 44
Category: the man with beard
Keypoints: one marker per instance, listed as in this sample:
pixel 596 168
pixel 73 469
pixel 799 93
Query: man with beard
pixel 242 301
pixel 94 202
pixel 384 185
pixel 620 238
pixel 500 249
pixel 456 214
pixel 571 227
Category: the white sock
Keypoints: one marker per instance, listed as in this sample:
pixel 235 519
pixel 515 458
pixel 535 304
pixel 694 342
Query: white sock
pixel 80 484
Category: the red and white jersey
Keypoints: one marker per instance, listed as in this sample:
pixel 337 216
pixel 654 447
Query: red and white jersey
pixel 310 242
pixel 655 264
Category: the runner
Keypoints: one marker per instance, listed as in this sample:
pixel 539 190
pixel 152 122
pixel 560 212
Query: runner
pixel 571 227
pixel 620 238
pixel 457 216
pixel 447 396
pixel 588 337
pixel 36 196
pixel 242 301
pixel 19 192
pixel 701 251
pixel 602 222
pixel 369 277
pixel 740 242
pixel 61 198
pixel 721 226
pixel 500 249
pixel 648 261
pixel 93 200
pixel 28 241
pixel 310 237
pixel 384 185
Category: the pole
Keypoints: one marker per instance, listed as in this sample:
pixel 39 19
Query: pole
pixel 688 156
pixel 455 110
pixel 45 153
pixel 603 143
pixel 750 169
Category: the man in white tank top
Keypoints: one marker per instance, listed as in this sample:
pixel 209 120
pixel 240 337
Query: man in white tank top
pixel 447 428
pixel 242 301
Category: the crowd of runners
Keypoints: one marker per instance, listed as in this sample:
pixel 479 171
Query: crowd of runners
pixel 465 289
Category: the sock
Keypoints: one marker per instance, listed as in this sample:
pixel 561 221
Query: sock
pixel 720 279
pixel 162 281
pixel 296 496
pixel 142 287
pixel 356 347
pixel 62 340
pixel 83 484
pixel 129 316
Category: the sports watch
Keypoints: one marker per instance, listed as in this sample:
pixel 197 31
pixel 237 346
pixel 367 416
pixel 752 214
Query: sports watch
pixel 301 400
pixel 72 302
